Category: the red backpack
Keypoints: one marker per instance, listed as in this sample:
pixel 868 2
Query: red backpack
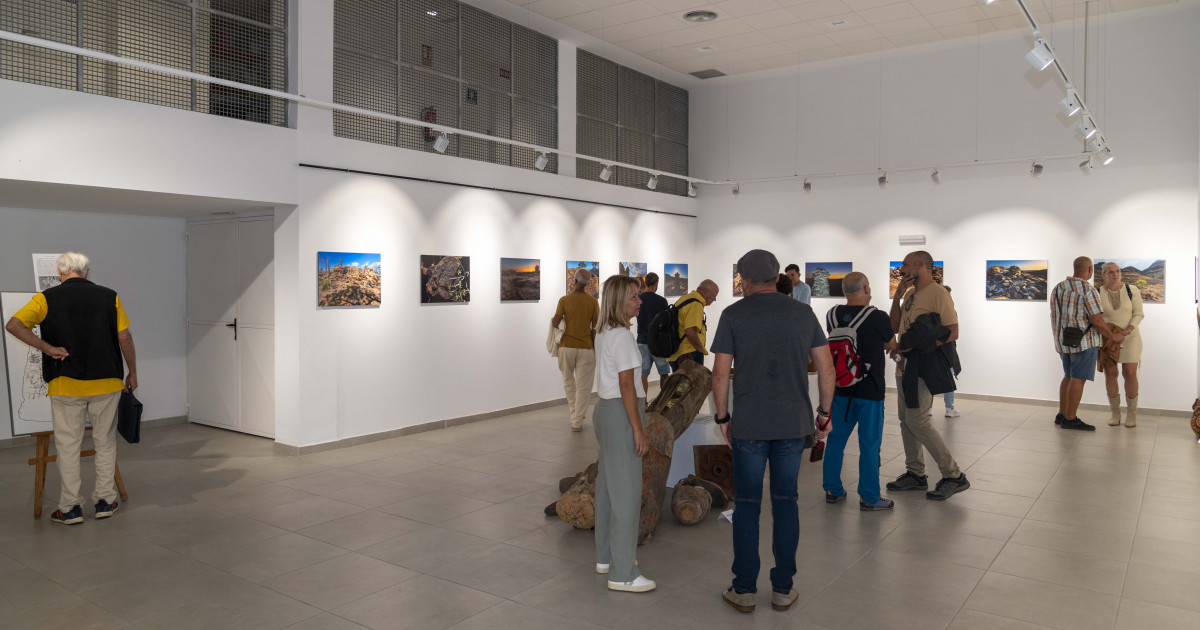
pixel 848 364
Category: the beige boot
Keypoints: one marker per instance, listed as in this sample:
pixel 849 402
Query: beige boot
pixel 1131 415
pixel 1114 403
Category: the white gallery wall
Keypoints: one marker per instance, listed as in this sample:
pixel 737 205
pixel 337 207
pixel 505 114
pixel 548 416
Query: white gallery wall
pixel 953 103
pixel 142 259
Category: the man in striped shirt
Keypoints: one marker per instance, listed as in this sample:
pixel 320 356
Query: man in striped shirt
pixel 1075 303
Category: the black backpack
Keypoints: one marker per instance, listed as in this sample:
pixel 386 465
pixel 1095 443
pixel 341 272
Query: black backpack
pixel 662 335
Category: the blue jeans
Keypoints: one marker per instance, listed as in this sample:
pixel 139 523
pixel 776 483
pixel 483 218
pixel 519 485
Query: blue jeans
pixel 750 459
pixel 649 360
pixel 948 397
pixel 868 415
pixel 1080 365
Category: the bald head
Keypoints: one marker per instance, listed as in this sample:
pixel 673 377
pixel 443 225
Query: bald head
pixel 1083 267
pixel 854 283
pixel 708 290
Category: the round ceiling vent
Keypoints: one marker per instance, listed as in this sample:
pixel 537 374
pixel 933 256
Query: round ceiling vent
pixel 700 16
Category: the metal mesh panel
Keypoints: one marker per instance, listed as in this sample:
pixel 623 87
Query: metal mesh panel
pixel 49 19
pixel 536 124
pixel 367 26
pixel 485 111
pixel 637 149
pixel 596 87
pixel 535 65
pixel 431 98
pixel 671 157
pixel 595 138
pixel 429 35
pixel 373 87
pixel 671 113
pixel 635 99
pixel 486 49
pixel 237 40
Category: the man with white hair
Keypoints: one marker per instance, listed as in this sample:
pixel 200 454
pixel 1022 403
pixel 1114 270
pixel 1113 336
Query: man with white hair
pixel 576 355
pixel 85 335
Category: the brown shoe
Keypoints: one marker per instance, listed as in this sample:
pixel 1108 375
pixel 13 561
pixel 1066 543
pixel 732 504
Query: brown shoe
pixel 741 601
pixel 784 601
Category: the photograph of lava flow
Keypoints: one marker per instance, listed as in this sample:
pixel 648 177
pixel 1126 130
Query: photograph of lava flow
pixel 1016 279
pixel 445 279
pixel 520 279
pixel 349 279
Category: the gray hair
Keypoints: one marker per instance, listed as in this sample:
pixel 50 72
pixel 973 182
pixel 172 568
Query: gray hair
pixel 1113 264
pixel 854 282
pixel 73 263
pixel 582 277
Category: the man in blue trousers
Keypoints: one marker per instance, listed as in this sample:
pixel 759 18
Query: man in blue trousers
pixel 859 404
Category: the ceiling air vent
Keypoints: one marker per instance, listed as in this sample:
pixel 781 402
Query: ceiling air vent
pixel 700 16
pixel 711 73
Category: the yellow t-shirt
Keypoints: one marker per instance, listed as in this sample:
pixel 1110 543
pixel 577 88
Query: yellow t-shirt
pixel 578 309
pixel 35 313
pixel 691 316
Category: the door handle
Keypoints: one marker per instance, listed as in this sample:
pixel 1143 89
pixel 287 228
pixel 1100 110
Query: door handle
pixel 234 327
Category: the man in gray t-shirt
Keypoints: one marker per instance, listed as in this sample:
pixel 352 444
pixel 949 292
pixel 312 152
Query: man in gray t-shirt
pixel 770 338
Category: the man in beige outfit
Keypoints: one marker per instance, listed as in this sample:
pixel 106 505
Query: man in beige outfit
pixel 576 356
pixel 85 336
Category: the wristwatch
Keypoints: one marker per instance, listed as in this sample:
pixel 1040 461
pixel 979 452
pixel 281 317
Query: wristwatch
pixel 727 418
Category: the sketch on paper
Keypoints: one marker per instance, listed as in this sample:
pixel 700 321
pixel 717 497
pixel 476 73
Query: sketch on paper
pixel 29 402
pixel 45 271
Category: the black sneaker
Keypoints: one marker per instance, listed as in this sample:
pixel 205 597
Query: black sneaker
pixel 948 487
pixel 104 509
pixel 909 481
pixel 1077 424
pixel 72 517
pixel 1060 418
pixel 833 498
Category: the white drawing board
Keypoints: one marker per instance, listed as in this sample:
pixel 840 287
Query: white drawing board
pixel 27 397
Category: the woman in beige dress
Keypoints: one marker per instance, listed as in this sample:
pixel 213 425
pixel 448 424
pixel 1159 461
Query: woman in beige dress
pixel 1122 305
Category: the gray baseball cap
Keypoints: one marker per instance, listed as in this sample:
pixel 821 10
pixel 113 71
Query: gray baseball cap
pixel 758 265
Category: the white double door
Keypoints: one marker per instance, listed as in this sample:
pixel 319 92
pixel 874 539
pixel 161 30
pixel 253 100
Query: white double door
pixel 231 324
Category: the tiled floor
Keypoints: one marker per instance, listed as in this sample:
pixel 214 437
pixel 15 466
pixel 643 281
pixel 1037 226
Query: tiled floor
pixel 445 529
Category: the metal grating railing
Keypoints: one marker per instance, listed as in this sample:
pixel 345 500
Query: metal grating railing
pixel 447 63
pixel 235 40
pixel 630 117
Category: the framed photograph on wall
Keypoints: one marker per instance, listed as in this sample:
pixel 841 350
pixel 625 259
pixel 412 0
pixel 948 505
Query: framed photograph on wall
pixel 895 275
pixel 675 280
pixel 825 278
pixel 737 282
pixel 1147 275
pixel 1017 280
pixel 346 279
pixel 592 266
pixel 633 269
pixel 445 279
pixel 520 279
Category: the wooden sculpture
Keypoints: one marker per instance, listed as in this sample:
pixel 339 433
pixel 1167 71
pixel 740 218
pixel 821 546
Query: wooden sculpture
pixel 665 419
pixel 693 497
pixel 714 462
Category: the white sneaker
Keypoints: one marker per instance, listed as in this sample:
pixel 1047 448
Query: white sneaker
pixel 951 413
pixel 640 585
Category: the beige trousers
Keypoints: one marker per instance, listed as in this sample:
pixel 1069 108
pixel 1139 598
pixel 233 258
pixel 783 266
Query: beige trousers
pixel 917 431
pixel 578 367
pixel 69 414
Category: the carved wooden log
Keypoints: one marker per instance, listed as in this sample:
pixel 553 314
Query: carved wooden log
pixel 665 419
pixel 720 500
pixel 690 504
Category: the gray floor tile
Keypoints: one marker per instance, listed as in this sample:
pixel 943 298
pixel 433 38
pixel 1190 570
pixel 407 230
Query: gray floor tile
pixel 1040 602
pixel 339 581
pixel 975 620
pixel 422 603
pixel 361 530
pixel 1059 567
pixel 504 570
pixel 1158 585
pixel 1084 516
pixel 1091 542
pixel 426 549
pixel 1165 527
pixel 305 513
pixel 1167 554
pixel 513 616
pixel 960 549
pixel 1138 615
pixel 500 522
pixel 326 621
pixel 435 507
pixel 266 559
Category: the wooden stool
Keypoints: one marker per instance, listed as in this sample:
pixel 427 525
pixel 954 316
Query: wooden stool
pixel 44 457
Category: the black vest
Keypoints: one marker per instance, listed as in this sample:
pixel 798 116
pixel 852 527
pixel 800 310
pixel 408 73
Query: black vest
pixel 82 317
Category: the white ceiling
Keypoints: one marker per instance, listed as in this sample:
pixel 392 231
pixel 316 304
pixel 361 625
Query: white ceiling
pixel 752 35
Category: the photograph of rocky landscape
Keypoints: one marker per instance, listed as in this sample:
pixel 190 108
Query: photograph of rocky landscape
pixel 737 282
pixel 593 288
pixel 520 279
pixel 1016 279
pixel 633 269
pixel 1145 274
pixel 825 278
pixel 675 280
pixel 895 275
pixel 445 279
pixel 349 279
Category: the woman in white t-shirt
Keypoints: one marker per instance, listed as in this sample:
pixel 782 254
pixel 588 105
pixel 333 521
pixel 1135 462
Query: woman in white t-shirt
pixel 618 424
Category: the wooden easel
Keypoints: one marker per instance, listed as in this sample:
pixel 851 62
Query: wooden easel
pixel 44 457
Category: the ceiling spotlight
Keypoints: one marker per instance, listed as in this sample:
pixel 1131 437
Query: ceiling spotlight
pixel 1041 56
pixel 988 1
pixel 1096 143
pixel 541 162
pixel 693 190
pixel 737 190
pixel 652 183
pixel 700 16
pixel 1070 105
pixel 441 143
pixel 807 185
pixel 605 173
pixel 883 181
pixel 1036 171
pixel 1088 165
pixel 1086 128
pixel 936 177
pixel 431 13
pixel 1106 156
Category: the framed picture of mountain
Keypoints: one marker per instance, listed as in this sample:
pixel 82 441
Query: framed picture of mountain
pixel 825 278
pixel 593 288
pixel 520 279
pixel 737 282
pixel 1148 275
pixel 895 275
pixel 349 279
pixel 675 280
pixel 633 269
pixel 1016 280
pixel 445 279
